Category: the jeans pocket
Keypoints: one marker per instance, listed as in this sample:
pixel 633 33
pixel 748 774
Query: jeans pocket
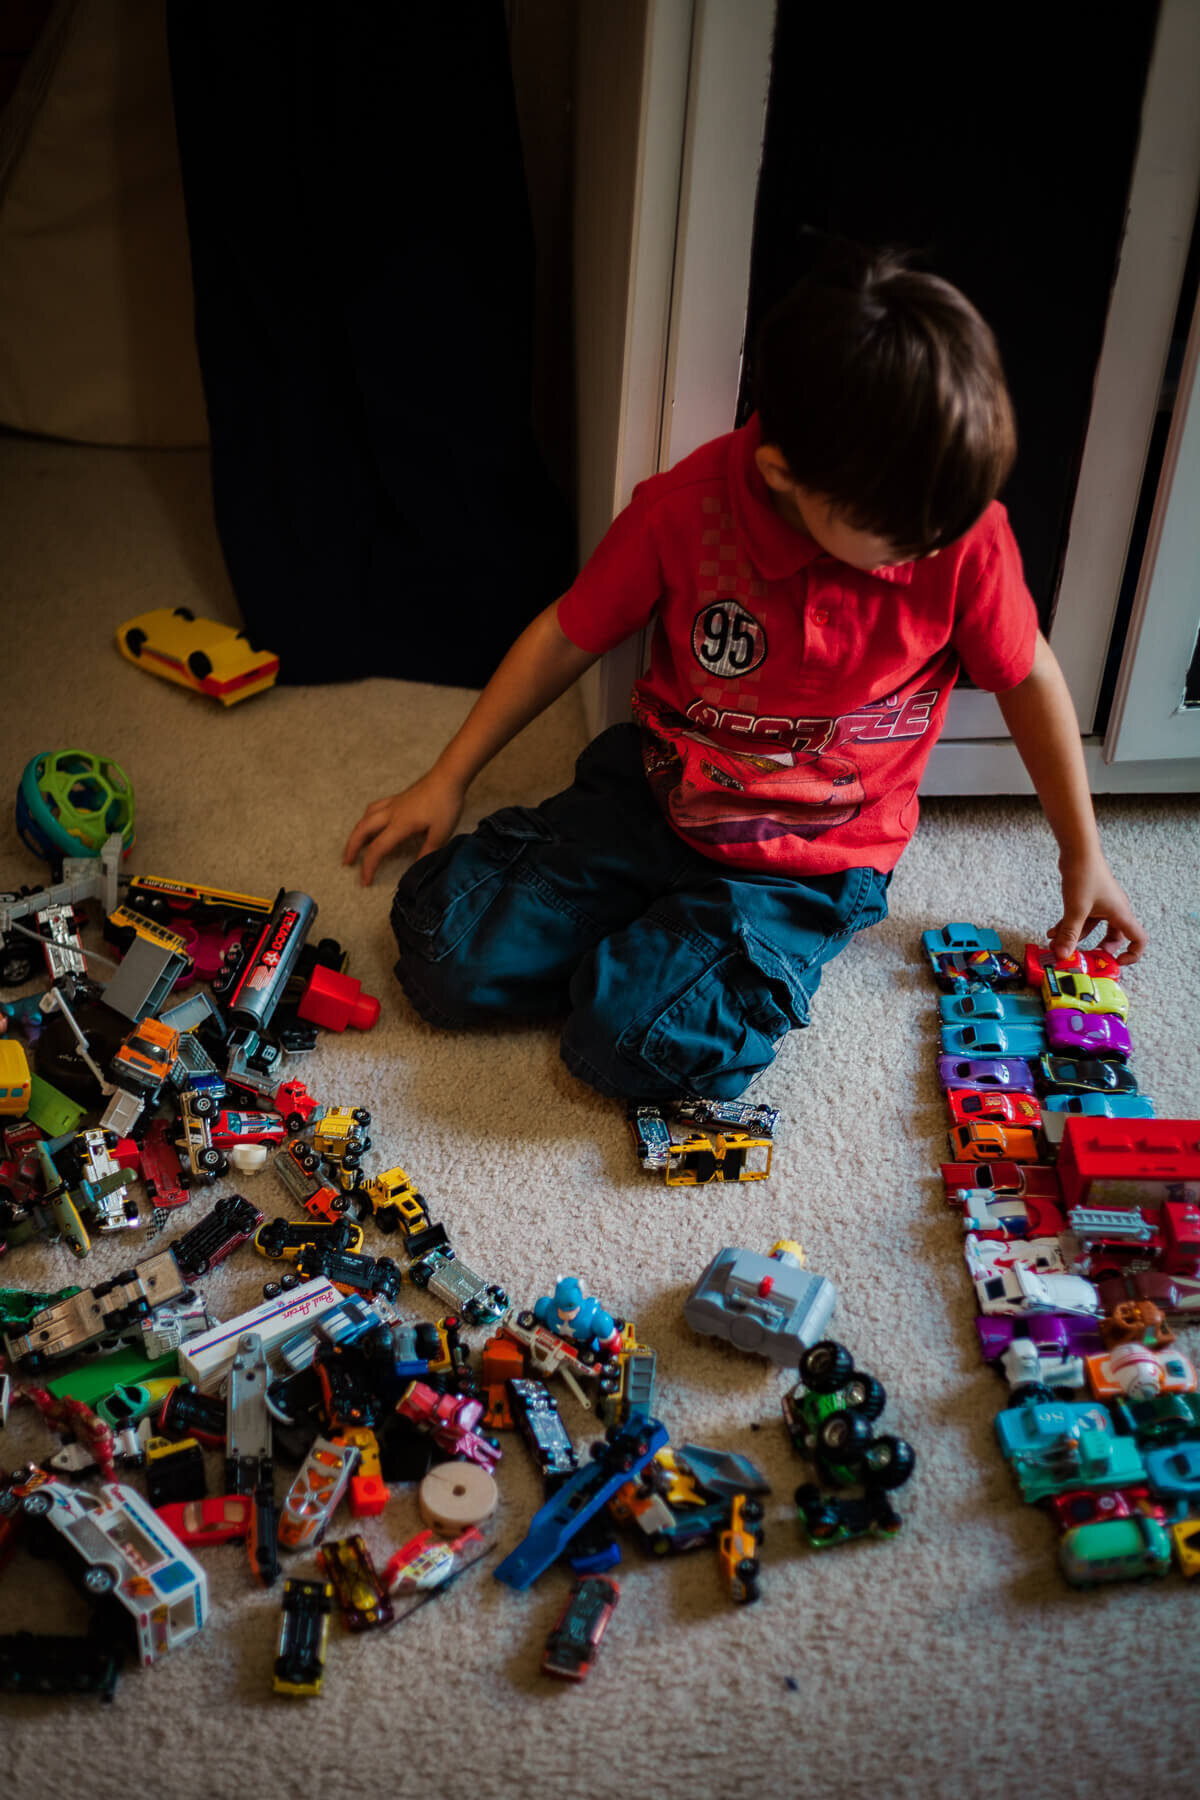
pixel 721 1030
pixel 443 895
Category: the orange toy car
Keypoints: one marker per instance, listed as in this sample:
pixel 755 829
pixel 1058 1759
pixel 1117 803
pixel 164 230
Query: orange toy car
pixel 984 1140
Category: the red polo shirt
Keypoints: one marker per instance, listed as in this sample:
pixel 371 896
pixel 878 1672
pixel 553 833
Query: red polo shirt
pixel 791 701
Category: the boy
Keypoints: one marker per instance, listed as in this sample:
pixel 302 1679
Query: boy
pixel 816 580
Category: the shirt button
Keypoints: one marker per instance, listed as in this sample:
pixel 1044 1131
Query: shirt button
pixel 820 615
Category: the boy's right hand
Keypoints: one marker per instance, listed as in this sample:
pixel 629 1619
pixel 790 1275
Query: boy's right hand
pixel 431 805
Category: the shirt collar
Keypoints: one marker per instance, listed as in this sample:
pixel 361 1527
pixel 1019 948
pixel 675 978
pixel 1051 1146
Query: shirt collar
pixel 776 548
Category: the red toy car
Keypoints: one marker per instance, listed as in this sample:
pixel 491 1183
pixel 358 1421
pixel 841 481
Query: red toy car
pixel 230 1128
pixel 1028 1180
pixel 224 1520
pixel 967 1104
pixel 572 1644
pixel 161 1174
pixel 1039 958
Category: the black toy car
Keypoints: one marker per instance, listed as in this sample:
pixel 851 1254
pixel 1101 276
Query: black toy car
pixel 572 1644
pixel 232 1221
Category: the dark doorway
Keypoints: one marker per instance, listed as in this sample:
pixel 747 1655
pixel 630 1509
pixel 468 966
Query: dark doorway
pixel 1001 155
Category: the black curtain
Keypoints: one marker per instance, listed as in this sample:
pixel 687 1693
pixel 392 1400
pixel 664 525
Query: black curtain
pixel 362 261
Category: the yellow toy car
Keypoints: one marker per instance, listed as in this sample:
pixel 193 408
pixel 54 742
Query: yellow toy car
pixel 14 1079
pixel 340 1135
pixel 1086 993
pixel 395 1202
pixel 722 1156
pixel 737 1549
pixel 197 653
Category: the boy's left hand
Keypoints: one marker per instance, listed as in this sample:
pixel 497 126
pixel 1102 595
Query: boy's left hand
pixel 1092 896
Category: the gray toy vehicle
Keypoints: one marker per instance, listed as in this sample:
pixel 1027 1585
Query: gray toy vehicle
pixel 768 1304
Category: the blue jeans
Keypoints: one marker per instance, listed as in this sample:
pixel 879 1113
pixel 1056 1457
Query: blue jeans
pixel 677 975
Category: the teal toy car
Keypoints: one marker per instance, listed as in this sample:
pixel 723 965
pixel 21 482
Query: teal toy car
pixel 1114 1550
pixel 1100 1106
pixel 1009 1009
pixel 940 940
pixel 990 1038
pixel 1164 1419
pixel 1056 1446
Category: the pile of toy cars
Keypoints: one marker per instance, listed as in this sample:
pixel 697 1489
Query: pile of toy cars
pixel 324 1396
pixel 1081 1214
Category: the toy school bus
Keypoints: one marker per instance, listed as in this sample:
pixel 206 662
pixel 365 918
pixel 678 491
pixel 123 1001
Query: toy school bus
pixel 14 1080
pixel 117 1546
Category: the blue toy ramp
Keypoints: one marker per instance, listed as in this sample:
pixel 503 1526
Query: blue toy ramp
pixel 615 1461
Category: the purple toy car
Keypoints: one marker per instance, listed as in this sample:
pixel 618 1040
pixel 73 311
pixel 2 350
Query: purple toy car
pixel 991 1072
pixel 1068 1334
pixel 1088 1034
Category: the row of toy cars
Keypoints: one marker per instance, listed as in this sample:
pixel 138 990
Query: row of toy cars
pixel 1082 1225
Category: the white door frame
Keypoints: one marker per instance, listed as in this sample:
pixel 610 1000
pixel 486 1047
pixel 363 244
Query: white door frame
pixel 1148 716
pixel 719 162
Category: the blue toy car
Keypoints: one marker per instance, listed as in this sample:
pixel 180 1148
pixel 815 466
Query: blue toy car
pixel 1174 1474
pixel 1100 1106
pixel 958 971
pixel 939 940
pixel 989 1038
pixel 965 1009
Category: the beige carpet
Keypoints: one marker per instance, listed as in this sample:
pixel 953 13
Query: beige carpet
pixel 951 1661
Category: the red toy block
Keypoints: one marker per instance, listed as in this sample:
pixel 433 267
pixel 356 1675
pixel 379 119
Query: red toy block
pixel 335 1001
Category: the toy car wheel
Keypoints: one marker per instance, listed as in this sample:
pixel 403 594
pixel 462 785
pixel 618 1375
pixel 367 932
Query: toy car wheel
pixel 845 1436
pixel 361 1116
pixel 340 1203
pixel 16 965
pixel 184 612
pixel 271 1290
pixel 211 1160
pixel 864 1395
pixel 527 1321
pixel 888 1463
pixel 200 665
pixel 748 1568
pixel 134 641
pixel 420 1276
pixel 99 1581
pixel 36 1506
pixel 288 1282
pixel 826 1367
pixel 351 1159
pixel 752 1511
pixel 308 1160
pixel 203 1105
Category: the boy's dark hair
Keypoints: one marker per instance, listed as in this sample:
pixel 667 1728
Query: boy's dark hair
pixel 883 389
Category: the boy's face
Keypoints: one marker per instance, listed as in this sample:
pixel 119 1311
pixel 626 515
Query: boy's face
pixel 815 514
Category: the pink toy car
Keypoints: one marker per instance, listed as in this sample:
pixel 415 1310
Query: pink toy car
pixel 1088 1034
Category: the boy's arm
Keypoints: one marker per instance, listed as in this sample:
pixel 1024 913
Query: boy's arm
pixel 1041 717
pixel 541 665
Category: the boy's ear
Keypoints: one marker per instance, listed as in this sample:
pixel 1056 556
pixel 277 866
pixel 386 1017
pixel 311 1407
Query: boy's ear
pixel 772 466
